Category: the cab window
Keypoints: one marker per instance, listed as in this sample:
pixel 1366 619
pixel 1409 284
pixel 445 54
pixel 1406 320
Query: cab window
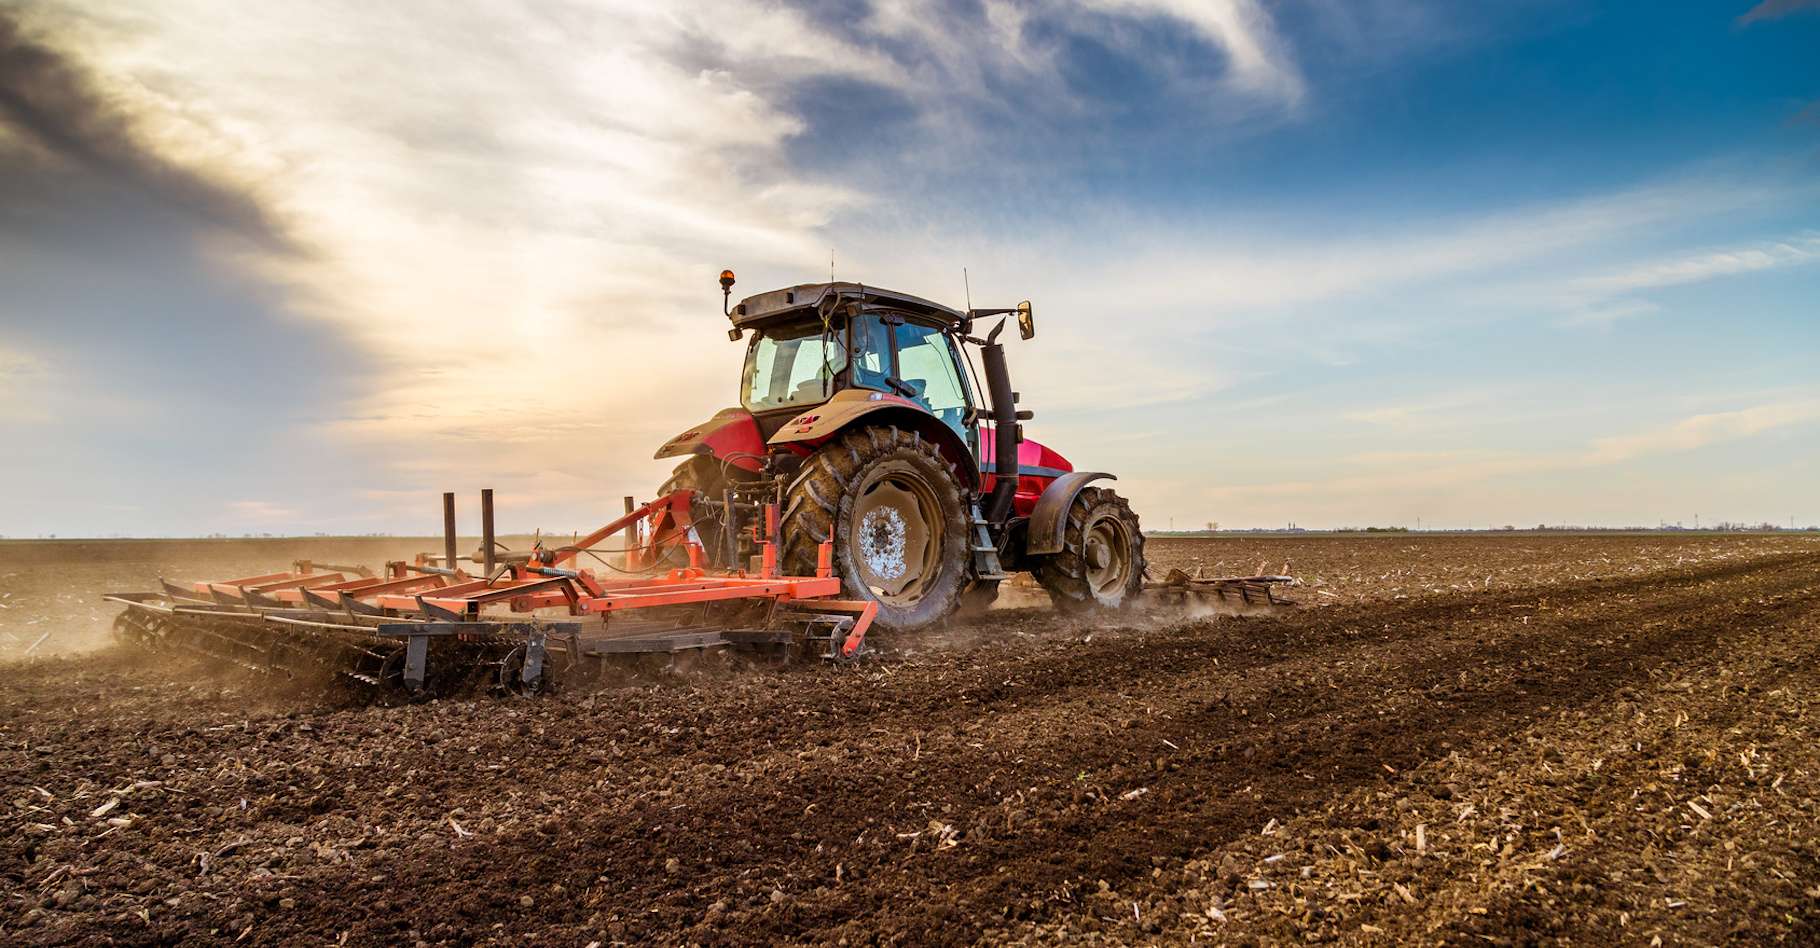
pixel 871 353
pixel 790 367
pixel 925 362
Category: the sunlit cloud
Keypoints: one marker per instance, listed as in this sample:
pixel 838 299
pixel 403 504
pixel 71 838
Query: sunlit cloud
pixel 1698 431
pixel 21 376
pixel 492 232
pixel 260 511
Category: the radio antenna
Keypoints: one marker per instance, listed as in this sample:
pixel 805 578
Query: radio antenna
pixel 968 287
pixel 830 264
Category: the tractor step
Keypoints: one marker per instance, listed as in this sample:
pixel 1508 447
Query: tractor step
pixel 986 564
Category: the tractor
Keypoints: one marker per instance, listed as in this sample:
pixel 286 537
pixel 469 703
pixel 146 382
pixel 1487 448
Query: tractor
pixel 862 421
pixel 866 478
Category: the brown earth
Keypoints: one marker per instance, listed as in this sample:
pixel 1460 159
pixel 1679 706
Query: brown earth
pixel 1616 739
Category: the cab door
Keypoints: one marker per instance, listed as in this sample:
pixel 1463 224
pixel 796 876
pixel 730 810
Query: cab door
pixel 928 365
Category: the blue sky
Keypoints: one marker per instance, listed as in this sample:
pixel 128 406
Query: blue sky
pixel 1311 261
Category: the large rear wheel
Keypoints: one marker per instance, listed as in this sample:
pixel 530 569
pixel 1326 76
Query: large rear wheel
pixel 1102 560
pixel 893 506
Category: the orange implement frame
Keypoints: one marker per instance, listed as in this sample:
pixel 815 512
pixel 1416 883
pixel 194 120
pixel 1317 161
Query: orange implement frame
pixel 541 583
pixel 385 629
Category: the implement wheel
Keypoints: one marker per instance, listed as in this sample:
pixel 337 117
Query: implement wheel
pixel 1102 560
pixel 892 504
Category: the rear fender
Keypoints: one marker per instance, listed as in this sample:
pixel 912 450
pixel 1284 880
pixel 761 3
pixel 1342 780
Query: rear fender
pixel 1049 520
pixel 731 435
pixel 854 406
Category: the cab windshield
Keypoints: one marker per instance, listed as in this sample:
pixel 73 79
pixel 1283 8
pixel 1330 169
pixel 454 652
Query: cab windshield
pixel 792 366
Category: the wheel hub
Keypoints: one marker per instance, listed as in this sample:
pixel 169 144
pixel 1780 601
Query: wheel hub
pixel 891 535
pixel 1107 550
pixel 881 542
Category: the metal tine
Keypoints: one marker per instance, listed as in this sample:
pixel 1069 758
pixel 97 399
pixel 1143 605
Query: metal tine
pixel 317 599
pixel 260 600
pixel 437 612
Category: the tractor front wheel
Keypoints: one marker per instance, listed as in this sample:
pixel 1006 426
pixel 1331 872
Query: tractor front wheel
pixel 703 476
pixel 892 505
pixel 1102 560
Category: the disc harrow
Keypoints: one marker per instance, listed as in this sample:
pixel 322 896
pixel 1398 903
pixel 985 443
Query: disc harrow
pixel 520 623
pixel 1237 594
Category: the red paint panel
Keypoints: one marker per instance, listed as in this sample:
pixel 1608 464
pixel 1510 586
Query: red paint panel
pixel 1038 466
pixel 738 443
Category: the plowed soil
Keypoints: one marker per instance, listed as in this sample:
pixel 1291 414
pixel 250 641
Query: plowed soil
pixel 1614 739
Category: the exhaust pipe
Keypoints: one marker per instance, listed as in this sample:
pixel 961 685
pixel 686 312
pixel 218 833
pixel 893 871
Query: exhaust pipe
pixel 1005 431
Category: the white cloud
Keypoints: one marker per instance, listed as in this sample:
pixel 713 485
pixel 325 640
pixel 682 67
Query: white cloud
pixel 22 378
pixel 260 511
pixel 520 211
pixel 1704 265
pixel 1698 431
pixel 1471 477
pixel 1604 313
pixel 1260 61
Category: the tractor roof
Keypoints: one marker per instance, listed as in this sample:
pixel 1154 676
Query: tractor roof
pixel 779 305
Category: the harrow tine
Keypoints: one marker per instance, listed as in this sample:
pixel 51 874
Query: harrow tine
pixel 314 598
pixel 174 591
pixel 257 599
pixel 437 612
pixel 355 607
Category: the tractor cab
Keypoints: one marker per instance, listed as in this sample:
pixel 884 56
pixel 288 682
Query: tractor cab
pixel 796 364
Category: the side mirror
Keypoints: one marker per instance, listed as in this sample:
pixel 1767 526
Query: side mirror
pixel 1026 321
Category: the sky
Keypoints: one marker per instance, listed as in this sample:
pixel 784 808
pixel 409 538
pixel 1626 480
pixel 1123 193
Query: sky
pixel 297 268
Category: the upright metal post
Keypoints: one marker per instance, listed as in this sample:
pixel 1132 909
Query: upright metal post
pixel 448 529
pixel 486 529
pixel 631 538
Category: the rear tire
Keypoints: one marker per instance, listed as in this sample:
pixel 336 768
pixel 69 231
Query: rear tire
pixel 1101 565
pixel 701 475
pixel 893 506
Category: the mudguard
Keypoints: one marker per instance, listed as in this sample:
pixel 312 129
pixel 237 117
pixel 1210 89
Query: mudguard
pixel 817 425
pixel 821 422
pixel 732 435
pixel 1049 519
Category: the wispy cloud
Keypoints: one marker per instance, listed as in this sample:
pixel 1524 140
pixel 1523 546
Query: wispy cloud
pixel 260 511
pixel 1777 9
pixel 557 202
pixel 495 228
pixel 1260 61
pixel 55 112
pixel 1606 313
pixel 1390 473
pixel 1446 410
pixel 21 375
pixel 1698 431
pixel 1705 265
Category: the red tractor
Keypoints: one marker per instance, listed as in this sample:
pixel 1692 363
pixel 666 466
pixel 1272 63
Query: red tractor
pixel 862 420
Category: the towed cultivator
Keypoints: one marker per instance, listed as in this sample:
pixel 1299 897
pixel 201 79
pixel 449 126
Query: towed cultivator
pixel 521 621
